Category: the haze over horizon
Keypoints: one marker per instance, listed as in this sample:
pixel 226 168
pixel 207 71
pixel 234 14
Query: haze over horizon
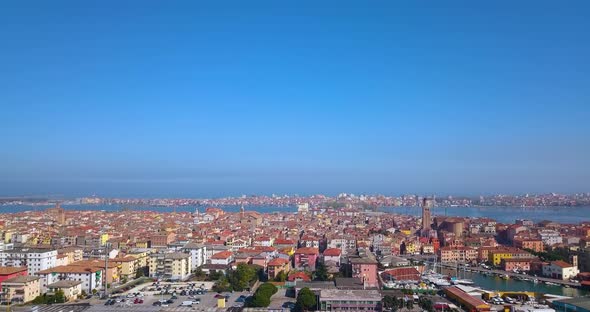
pixel 192 99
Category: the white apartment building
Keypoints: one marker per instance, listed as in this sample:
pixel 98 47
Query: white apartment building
pixel 550 237
pixel 90 277
pixel 35 259
pixel 198 254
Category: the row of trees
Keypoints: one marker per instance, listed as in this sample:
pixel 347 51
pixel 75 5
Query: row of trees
pixel 262 295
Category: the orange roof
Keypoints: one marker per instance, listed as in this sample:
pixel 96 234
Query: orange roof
pixel 222 255
pixel 11 270
pixel 277 262
pixel 70 269
pixel 561 264
pixel 332 252
pixel 298 275
pixel 307 251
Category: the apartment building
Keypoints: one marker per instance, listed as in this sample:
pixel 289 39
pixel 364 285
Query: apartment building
pixel 35 259
pixel 173 266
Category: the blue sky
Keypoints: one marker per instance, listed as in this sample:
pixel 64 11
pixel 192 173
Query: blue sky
pixel 189 98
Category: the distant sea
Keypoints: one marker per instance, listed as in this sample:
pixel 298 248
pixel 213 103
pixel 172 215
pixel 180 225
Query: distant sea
pixel 499 213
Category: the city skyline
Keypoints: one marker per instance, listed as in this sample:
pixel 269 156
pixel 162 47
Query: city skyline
pixel 211 100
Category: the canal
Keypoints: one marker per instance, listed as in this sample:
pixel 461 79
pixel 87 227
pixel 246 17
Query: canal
pixel 490 282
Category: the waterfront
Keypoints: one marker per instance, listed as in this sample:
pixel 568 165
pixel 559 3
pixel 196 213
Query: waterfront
pixel 491 282
pixel 499 213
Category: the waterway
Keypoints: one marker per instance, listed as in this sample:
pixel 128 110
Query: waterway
pixel 490 282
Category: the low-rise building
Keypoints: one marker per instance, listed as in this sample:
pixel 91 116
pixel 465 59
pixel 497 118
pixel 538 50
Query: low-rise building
pixel 20 289
pixel 71 289
pixel 560 270
pixel 351 300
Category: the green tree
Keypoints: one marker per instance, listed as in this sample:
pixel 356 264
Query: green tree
pixel 426 304
pixel 410 304
pixel 306 299
pixel 390 302
pixel 281 277
pixel 59 296
pixel 321 272
pixel 262 296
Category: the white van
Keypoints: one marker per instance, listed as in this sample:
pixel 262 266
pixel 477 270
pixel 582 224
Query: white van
pixel 186 303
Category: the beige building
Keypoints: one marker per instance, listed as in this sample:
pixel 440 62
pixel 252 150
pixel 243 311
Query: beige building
pixel 174 266
pixel 21 289
pixel 71 289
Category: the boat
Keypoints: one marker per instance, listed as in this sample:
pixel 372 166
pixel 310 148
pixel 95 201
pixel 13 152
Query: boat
pixel 505 276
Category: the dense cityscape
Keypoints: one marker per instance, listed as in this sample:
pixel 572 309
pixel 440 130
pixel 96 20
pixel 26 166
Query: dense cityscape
pixel 295 156
pixel 332 253
pixel 526 200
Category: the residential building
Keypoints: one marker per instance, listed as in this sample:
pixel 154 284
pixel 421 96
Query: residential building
pixel 365 268
pixel 198 254
pixel 35 259
pixel 173 266
pixel 20 289
pixel 278 265
pixel 91 277
pixel 10 272
pixel 560 270
pixel 71 289
pixel 305 258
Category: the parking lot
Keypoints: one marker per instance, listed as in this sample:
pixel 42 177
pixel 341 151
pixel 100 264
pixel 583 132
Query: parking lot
pixel 149 294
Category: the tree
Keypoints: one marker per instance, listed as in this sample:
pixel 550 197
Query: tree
pixel 59 296
pixel 390 302
pixel 306 299
pixel 262 296
pixel 410 304
pixel 321 272
pixel 426 304
pixel 281 277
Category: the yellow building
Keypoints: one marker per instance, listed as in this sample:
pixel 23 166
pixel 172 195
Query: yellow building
pixel 175 266
pixel 496 256
pixel 21 289
pixel 104 238
pixel 406 231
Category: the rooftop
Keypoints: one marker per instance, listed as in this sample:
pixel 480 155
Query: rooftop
pixel 350 295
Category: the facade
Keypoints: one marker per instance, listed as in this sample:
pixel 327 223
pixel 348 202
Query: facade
pixel 458 254
pixel 71 289
pixel 532 244
pixel 91 277
pixel 20 289
pixel 351 300
pixel 278 265
pixel 305 258
pixel 496 255
pixel 198 254
pixel 35 259
pixel 332 255
pixel 560 270
pixel 365 268
pixel 174 266
pixel 10 272
pixel 516 264
pixel 223 258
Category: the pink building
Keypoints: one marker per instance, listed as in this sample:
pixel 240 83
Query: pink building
pixel 306 258
pixel 516 264
pixel 365 268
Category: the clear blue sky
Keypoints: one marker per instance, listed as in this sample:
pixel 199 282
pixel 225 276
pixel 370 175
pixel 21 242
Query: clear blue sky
pixel 187 98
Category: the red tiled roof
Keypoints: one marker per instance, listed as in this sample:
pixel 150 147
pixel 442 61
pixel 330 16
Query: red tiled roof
pixel 332 252
pixel 277 262
pixel 298 275
pixel 222 255
pixel 307 251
